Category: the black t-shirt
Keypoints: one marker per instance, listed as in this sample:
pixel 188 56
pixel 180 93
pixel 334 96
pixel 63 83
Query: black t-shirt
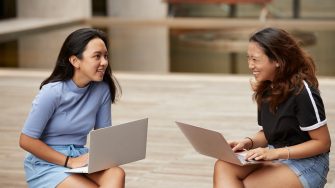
pixel 294 117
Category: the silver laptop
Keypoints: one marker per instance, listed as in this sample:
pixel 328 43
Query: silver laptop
pixel 213 144
pixel 116 145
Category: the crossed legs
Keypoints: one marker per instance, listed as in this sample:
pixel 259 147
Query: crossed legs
pixel 269 175
pixel 113 177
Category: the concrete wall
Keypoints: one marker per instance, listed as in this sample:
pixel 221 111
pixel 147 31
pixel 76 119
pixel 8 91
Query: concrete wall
pixel 133 49
pixel 54 8
pixel 41 50
pixel 144 49
pixel 137 8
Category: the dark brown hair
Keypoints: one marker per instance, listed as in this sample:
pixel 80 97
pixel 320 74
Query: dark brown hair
pixel 295 65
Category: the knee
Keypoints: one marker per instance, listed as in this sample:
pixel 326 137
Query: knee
pixel 226 168
pixel 219 165
pixel 119 172
pixel 116 172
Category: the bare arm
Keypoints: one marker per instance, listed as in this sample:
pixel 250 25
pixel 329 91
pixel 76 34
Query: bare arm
pixel 43 151
pixel 259 140
pixel 320 143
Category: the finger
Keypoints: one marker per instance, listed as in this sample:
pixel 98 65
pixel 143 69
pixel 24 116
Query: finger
pixel 249 153
pixel 259 158
pixel 252 156
pixel 237 147
pixel 232 144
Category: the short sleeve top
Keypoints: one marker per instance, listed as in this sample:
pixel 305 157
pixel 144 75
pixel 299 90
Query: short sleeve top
pixel 64 114
pixel 290 124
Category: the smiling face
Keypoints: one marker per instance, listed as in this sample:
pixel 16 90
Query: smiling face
pixel 260 65
pixel 92 65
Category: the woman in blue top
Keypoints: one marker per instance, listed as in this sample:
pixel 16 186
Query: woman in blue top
pixel 72 101
pixel 293 127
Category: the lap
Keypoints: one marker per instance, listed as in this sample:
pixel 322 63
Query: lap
pixel 309 172
pixel 272 175
pixel 77 180
pixel 40 173
pixel 109 174
pixel 232 169
pixel 306 172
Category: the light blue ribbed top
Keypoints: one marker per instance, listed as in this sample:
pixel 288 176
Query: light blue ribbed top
pixel 64 114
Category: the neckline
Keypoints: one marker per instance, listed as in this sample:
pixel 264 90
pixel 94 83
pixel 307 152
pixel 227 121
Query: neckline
pixel 73 87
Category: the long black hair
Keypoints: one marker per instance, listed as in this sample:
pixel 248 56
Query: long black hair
pixel 75 44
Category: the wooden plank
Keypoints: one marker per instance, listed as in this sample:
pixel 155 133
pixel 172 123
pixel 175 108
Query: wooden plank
pixel 218 102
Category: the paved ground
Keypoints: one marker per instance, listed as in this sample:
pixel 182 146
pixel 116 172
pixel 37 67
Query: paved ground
pixel 218 102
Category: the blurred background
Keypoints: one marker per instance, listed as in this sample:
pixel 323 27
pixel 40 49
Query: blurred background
pixel 179 60
pixel 198 36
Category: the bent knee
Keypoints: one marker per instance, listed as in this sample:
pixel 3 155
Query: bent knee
pixel 116 171
pixel 219 164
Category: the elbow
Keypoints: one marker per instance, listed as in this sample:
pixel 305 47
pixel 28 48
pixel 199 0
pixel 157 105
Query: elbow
pixel 23 141
pixel 28 143
pixel 329 145
pixel 326 146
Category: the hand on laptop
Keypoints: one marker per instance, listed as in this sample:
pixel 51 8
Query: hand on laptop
pixel 239 145
pixel 77 162
pixel 261 154
pixel 257 154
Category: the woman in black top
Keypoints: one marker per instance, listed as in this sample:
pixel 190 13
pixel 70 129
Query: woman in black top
pixel 293 139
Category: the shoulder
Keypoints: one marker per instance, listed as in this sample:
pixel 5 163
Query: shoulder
pixel 309 98
pixel 53 86
pixel 51 90
pixel 310 108
pixel 308 91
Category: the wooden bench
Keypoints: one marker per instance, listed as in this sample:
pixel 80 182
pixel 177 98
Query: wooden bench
pixel 173 5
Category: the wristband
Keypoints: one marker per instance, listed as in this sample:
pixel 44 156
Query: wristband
pixel 252 142
pixel 66 160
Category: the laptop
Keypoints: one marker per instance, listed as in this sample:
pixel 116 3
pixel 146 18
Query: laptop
pixel 115 145
pixel 213 144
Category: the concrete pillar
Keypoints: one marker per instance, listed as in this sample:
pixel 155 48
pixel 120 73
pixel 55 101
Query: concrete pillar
pixel 143 48
pixel 40 50
pixel 54 9
pixel 150 9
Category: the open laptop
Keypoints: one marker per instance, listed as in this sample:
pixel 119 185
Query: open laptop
pixel 115 145
pixel 213 144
